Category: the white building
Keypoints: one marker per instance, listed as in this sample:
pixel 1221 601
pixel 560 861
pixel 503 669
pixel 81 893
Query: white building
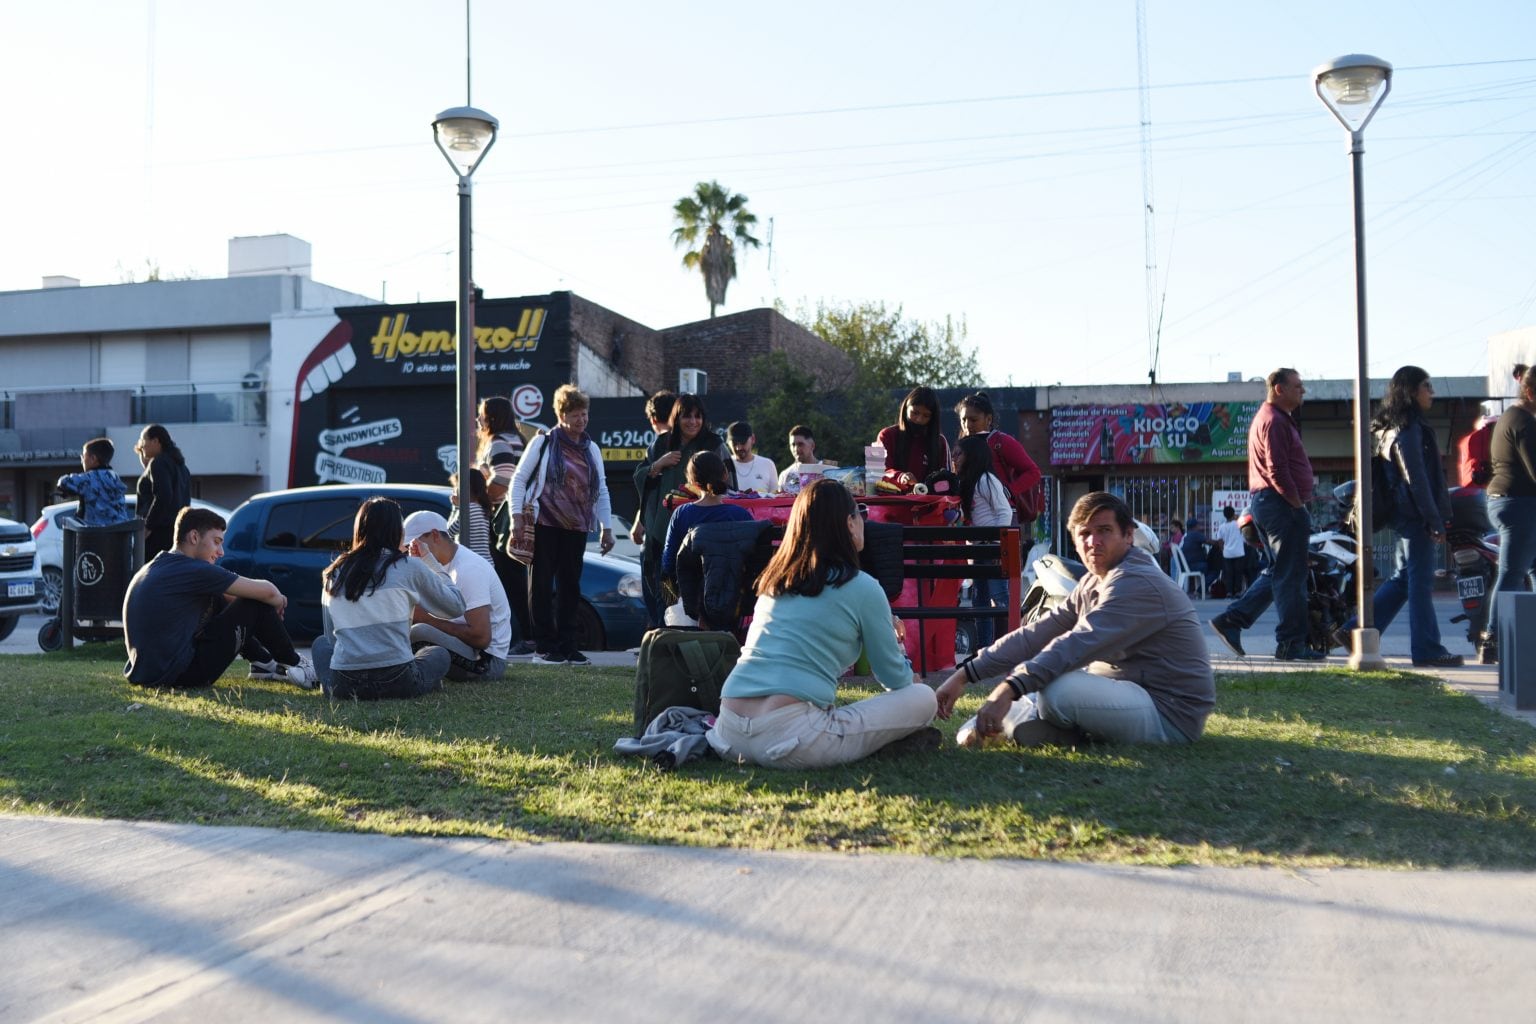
pixel 196 356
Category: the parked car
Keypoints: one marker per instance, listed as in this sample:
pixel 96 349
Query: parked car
pixel 21 580
pixel 48 531
pixel 290 536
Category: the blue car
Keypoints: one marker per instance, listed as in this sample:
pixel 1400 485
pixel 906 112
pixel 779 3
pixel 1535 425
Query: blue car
pixel 290 536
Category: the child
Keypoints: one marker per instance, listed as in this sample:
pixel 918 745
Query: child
pixel 99 489
pixel 706 473
pixel 753 472
pixel 985 502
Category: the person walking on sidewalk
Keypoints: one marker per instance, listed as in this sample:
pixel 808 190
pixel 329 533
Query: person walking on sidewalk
pixel 1423 509
pixel 1280 482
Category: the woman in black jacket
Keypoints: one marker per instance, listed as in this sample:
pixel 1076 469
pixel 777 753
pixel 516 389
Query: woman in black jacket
pixel 1406 439
pixel 164 488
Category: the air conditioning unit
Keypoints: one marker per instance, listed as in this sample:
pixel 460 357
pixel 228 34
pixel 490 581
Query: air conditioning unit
pixel 692 382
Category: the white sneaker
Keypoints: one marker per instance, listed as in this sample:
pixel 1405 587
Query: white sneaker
pixel 301 675
pixel 265 670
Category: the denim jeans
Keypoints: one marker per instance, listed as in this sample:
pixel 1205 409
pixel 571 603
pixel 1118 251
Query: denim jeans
pixel 421 675
pixel 988 594
pixel 1287 531
pixel 1412 584
pixel 1515 517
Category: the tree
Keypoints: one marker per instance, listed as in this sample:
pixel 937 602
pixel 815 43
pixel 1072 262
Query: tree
pixel 706 213
pixel 889 352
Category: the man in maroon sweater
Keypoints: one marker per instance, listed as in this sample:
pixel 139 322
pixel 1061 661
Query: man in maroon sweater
pixel 1280 480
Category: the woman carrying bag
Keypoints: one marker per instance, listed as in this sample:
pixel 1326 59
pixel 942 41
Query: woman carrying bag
pixel 558 497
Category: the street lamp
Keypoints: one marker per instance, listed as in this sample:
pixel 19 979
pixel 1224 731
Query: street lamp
pixel 465 135
pixel 1353 87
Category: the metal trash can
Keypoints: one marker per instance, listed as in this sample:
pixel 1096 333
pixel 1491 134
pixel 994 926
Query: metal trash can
pixel 99 562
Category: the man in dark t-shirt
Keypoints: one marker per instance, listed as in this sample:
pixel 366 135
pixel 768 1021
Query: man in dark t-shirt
pixel 185 618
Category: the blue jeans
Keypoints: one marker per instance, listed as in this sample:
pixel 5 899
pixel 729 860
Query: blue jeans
pixel 1413 585
pixel 1515 517
pixel 988 594
pixel 1287 531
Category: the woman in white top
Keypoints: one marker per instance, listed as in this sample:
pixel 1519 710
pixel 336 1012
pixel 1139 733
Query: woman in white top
pixel 561 474
pixel 985 502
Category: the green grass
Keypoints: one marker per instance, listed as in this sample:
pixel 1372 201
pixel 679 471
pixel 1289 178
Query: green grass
pixel 1321 768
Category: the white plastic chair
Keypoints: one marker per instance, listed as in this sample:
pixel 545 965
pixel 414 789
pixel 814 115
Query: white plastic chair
pixel 1181 572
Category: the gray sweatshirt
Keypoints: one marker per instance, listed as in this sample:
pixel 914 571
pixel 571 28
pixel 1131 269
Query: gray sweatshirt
pixel 1134 624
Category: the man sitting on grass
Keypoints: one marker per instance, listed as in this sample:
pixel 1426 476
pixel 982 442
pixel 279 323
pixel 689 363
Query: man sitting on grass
pixel 185 618
pixel 477 641
pixel 1123 660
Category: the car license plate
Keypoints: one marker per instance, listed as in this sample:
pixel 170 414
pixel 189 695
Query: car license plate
pixel 20 589
pixel 1469 587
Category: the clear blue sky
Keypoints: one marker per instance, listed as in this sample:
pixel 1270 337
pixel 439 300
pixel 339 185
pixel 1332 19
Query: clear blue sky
pixel 979 160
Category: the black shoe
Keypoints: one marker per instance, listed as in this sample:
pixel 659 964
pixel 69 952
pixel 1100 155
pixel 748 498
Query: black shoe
pixel 1446 660
pixel 1230 635
pixel 578 659
pixel 924 741
pixel 549 658
pixel 1344 638
pixel 1037 732
pixel 1298 652
pixel 523 649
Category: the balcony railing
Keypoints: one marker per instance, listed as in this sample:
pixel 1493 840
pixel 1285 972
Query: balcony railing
pixel 193 403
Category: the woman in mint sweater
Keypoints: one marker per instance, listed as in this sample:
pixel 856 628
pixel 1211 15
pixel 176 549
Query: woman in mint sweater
pixel 816 612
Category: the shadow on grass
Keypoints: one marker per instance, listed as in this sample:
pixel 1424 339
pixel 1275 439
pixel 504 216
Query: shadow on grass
pixel 1316 768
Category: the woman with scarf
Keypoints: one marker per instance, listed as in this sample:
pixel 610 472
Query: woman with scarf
pixel 914 446
pixel 560 483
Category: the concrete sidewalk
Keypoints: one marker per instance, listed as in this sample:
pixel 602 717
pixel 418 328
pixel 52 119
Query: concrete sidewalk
pixel 125 922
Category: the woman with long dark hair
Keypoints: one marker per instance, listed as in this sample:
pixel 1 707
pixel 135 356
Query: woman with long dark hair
pixel 1011 463
pixel 368 596
pixel 164 488
pixel 815 613
pixel 501 446
pixel 984 502
pixel 1512 501
pixel 664 471
pixel 914 445
pixel 1406 439
pixel 475 527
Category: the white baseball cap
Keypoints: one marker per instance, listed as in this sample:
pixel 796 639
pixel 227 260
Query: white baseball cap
pixel 425 521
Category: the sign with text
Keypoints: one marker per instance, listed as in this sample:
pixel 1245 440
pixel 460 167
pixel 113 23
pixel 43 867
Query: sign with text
pixel 1122 435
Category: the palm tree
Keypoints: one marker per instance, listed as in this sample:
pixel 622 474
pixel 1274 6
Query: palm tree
pixel 706 212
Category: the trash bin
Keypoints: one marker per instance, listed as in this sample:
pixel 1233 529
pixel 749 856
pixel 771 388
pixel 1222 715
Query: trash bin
pixel 99 562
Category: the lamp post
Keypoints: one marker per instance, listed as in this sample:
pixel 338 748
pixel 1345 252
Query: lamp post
pixel 1353 87
pixel 465 135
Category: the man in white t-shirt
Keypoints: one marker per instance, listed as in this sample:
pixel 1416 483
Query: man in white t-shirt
pixel 476 641
pixel 803 443
pixel 753 472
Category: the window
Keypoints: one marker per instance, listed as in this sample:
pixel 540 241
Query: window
pixel 323 524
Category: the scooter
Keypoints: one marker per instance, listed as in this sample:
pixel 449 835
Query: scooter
pixel 1476 554
pixel 1056 576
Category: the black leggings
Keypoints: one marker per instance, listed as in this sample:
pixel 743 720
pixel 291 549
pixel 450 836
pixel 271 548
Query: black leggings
pixel 514 580
pixel 244 626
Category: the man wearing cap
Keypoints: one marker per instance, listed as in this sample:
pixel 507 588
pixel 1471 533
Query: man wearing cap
pixel 476 641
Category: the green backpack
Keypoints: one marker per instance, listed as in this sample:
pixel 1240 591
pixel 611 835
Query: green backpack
pixel 681 668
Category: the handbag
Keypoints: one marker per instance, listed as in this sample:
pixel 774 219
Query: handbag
pixel 520 544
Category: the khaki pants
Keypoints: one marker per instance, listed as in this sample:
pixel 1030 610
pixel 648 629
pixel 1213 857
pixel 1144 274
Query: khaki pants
pixel 806 736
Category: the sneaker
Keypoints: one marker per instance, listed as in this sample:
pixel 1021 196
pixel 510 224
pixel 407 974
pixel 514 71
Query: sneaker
pixel 1344 638
pixel 1229 634
pixel 301 675
pixel 549 658
pixel 1298 652
pixel 524 649
pixel 1445 660
pixel 265 670
pixel 1037 732
pixel 924 741
pixel 578 659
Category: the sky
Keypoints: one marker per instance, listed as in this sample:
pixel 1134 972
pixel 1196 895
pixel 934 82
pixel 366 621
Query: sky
pixel 980 161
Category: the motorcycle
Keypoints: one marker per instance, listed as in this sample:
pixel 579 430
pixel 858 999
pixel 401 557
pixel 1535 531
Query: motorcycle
pixel 1056 576
pixel 1476 555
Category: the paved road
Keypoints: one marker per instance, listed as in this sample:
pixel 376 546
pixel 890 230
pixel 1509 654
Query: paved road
pixel 127 922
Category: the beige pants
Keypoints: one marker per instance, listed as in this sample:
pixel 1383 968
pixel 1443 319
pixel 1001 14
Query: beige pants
pixel 805 736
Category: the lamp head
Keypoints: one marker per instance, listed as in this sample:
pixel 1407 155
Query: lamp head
pixel 464 135
pixel 1353 87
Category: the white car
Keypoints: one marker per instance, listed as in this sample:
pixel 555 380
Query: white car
pixel 21 584
pixel 49 534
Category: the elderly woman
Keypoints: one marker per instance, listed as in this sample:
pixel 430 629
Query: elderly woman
pixel 560 483
pixel 816 612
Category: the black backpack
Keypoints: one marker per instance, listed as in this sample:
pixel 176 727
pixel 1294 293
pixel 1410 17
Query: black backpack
pixel 1385 478
pixel 681 668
